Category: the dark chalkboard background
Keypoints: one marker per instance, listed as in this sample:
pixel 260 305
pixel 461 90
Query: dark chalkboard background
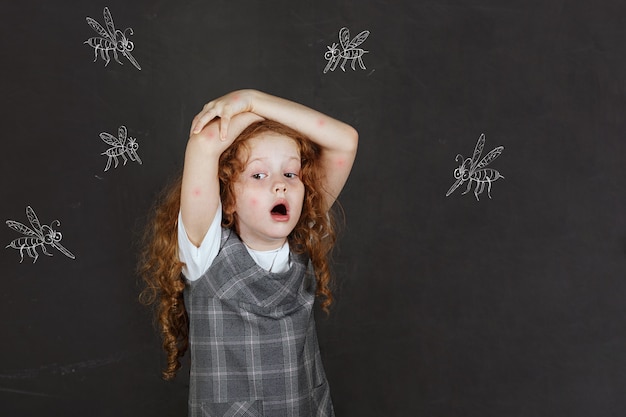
pixel 446 306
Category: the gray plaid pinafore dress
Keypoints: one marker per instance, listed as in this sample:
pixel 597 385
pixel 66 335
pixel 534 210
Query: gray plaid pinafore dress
pixel 254 349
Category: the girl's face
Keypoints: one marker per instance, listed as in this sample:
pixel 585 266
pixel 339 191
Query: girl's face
pixel 269 193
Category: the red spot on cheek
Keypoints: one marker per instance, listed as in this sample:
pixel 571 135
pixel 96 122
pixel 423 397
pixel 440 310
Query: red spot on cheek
pixel 254 202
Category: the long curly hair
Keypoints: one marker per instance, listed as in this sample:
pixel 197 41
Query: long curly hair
pixel 161 269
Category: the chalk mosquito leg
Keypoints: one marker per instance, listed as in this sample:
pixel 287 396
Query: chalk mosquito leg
pixel 45 252
pixel 469 186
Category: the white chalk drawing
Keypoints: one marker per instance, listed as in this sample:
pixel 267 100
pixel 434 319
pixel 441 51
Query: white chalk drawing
pixel 37 236
pixel 348 51
pixel 120 147
pixel 111 39
pixel 472 170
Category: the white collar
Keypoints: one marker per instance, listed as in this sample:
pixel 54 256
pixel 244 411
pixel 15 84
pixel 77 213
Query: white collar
pixel 275 260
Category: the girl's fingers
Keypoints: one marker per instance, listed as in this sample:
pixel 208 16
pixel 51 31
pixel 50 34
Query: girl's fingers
pixel 201 120
pixel 194 125
pixel 221 108
pixel 225 116
pixel 192 130
pixel 224 121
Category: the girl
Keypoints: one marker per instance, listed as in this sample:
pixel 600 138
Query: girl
pixel 249 228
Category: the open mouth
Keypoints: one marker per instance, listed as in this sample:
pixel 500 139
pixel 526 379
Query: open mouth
pixel 279 209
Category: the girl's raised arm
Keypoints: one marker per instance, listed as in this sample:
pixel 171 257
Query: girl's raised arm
pixel 338 140
pixel 200 193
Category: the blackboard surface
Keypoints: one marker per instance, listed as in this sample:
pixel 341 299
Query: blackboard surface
pixel 512 305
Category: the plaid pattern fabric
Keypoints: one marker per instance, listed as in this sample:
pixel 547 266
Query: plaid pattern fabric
pixel 254 349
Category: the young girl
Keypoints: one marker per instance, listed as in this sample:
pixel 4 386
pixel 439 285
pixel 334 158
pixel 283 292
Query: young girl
pixel 249 228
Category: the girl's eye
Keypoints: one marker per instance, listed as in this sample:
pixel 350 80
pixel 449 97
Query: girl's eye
pixel 291 175
pixel 259 176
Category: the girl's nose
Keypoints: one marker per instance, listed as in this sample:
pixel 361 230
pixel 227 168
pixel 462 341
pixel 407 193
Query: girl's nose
pixel 280 186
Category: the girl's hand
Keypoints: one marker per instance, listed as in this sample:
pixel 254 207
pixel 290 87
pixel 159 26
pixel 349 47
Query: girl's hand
pixel 225 108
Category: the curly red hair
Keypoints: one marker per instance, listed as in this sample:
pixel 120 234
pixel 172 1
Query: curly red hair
pixel 161 268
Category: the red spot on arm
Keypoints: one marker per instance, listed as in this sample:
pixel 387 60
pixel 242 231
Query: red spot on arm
pixel 321 122
pixel 340 162
pixel 196 192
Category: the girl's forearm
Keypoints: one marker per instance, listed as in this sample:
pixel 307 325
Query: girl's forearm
pixel 200 187
pixel 331 134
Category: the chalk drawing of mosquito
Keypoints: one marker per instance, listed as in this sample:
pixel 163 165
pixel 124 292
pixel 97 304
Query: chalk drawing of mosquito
pixel 472 170
pixel 111 40
pixel 37 236
pixel 348 51
pixel 120 147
